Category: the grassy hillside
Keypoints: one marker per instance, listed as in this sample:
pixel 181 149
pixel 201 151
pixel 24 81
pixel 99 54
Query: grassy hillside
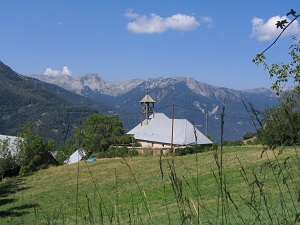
pixel 257 188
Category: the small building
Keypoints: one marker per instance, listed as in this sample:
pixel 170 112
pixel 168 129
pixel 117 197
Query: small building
pixel 159 131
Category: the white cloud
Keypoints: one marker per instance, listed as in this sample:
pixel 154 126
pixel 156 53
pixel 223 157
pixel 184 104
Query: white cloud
pixel 207 20
pixel 267 31
pixel 130 14
pixel 157 24
pixel 66 71
pixel 51 72
pixel 181 22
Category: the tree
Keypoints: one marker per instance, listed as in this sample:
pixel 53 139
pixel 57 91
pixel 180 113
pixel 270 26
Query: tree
pixel 100 132
pixel 33 151
pixel 7 159
pixel 284 73
pixel 281 125
pixel 65 150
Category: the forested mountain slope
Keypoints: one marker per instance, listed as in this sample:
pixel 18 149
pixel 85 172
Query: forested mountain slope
pixel 22 100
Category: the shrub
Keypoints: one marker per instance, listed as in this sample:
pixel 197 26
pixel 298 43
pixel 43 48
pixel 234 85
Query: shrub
pixel 148 152
pixel 137 144
pixel 248 135
pixel 132 152
pixel 190 150
pixel 115 152
pixel 233 143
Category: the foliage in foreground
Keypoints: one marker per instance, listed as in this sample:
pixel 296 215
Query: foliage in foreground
pixel 281 125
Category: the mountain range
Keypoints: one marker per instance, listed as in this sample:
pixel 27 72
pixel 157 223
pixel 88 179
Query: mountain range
pixel 53 111
pixel 200 103
pixel 57 105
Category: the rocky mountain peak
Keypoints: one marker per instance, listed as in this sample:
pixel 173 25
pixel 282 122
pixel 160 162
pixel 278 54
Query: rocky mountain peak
pixel 95 83
pixel 92 81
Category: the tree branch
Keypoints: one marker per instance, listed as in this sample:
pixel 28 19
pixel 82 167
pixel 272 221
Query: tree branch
pixel 280 34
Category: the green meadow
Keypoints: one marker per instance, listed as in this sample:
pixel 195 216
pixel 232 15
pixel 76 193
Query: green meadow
pixel 242 185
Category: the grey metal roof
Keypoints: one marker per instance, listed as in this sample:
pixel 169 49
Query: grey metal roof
pixel 159 129
pixel 12 142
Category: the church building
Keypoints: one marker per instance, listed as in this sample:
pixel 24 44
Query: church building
pixel 159 131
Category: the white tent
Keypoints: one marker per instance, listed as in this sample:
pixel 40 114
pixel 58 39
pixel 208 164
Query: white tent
pixel 76 156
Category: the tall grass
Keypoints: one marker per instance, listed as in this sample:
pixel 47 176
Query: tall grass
pixel 259 187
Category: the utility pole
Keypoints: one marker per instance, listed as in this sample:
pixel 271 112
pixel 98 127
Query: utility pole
pixel 172 132
pixel 206 126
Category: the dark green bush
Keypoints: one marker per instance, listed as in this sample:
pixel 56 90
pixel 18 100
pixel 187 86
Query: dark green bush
pixel 248 135
pixel 190 150
pixel 132 152
pixel 115 152
pixel 233 143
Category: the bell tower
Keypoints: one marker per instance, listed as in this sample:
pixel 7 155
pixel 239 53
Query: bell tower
pixel 147 104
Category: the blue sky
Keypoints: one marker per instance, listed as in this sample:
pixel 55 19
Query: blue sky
pixel 211 41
